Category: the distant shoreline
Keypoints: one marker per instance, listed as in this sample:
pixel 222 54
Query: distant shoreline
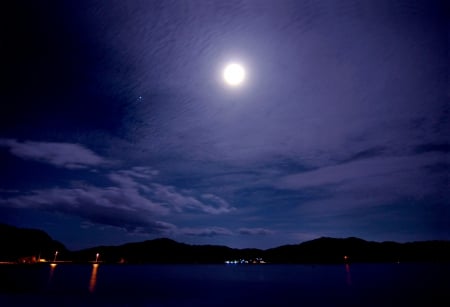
pixel 35 246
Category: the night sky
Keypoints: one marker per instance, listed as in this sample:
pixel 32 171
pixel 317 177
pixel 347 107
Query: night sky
pixel 116 124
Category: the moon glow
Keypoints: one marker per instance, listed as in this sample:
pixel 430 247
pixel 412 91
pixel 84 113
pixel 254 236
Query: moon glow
pixel 234 74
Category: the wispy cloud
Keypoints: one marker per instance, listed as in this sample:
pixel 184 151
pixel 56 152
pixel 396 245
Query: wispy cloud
pixel 370 185
pixel 67 155
pixel 140 172
pixel 114 206
pixel 255 231
pixel 212 204
pixel 360 196
pixel 357 171
pixel 134 201
pixel 206 232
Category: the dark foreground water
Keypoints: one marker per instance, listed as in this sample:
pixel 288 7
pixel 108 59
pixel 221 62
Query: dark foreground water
pixel 225 285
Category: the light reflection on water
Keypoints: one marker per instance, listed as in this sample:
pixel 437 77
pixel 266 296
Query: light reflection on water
pixel 52 271
pixel 349 275
pixel 93 280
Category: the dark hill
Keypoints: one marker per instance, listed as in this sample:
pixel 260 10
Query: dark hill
pixel 322 250
pixel 332 250
pixel 165 251
pixel 17 242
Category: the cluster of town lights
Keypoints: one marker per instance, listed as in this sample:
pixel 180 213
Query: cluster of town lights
pixel 243 261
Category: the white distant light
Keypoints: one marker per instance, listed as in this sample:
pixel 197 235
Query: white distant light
pixel 234 74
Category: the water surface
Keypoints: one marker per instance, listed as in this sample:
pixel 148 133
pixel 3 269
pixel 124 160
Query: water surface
pixel 225 285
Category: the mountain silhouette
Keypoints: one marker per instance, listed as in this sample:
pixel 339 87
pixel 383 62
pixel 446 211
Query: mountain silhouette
pixel 18 243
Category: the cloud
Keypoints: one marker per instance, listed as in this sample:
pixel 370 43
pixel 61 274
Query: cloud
pixel 216 204
pixel 113 206
pixel 206 232
pixel 255 231
pixel 366 153
pixel 67 155
pixel 140 172
pixel 142 178
pixel 385 167
pixel 134 202
pixel 373 191
pixel 181 202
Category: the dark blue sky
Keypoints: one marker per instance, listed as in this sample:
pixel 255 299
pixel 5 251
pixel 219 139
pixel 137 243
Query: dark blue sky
pixel 116 125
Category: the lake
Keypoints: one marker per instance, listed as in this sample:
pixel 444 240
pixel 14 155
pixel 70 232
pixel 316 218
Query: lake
pixel 404 284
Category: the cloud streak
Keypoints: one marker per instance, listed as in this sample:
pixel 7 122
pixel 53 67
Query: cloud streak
pixel 255 231
pixel 360 170
pixel 212 204
pixel 206 232
pixel 113 206
pixel 66 155
pixel 135 202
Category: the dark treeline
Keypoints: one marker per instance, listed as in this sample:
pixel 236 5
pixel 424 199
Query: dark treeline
pixel 17 243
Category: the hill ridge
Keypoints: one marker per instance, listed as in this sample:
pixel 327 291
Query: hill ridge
pixel 23 242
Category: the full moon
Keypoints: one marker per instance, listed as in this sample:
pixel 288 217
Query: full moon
pixel 234 74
